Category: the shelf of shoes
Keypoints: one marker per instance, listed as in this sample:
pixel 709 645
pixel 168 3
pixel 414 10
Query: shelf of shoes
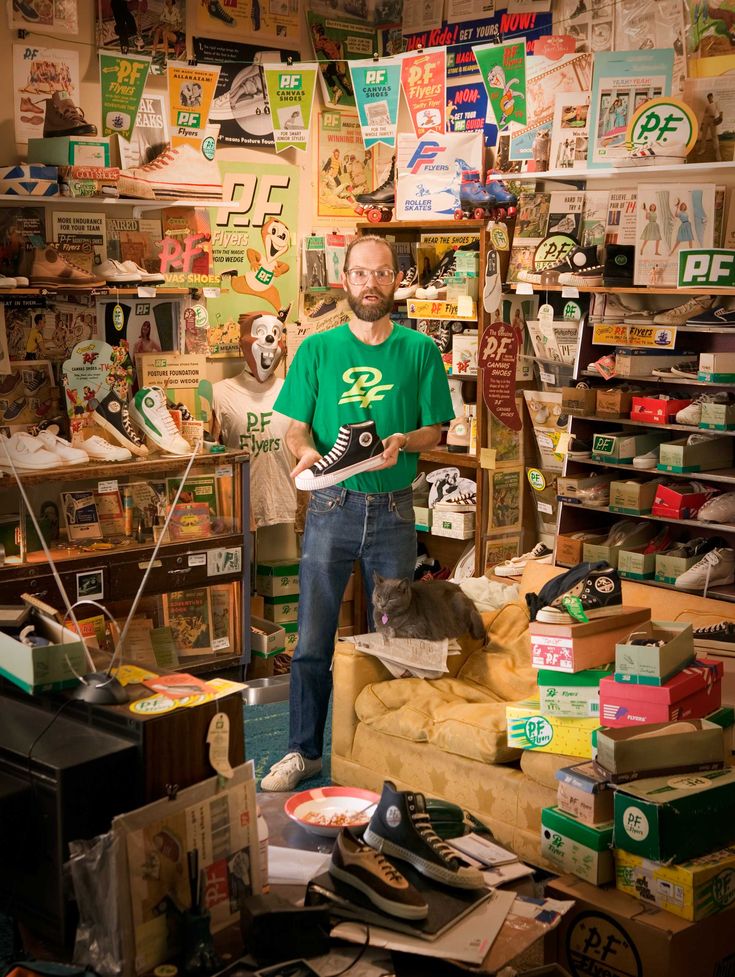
pixel 630 422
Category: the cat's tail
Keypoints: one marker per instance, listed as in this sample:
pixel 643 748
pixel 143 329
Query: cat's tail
pixel 477 628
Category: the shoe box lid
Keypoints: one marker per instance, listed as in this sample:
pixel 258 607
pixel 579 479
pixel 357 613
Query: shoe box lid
pixel 70 151
pixel 624 755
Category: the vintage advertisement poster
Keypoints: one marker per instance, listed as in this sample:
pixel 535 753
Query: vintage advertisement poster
pixel 642 24
pixel 621 83
pixel 344 167
pixel 40 74
pixel 590 25
pixel 467 110
pixel 186 249
pixel 44 16
pixel 424 83
pixel 190 94
pixel 277 21
pixel 150 133
pixel 713 103
pixel 255 247
pixel 670 219
pixel 429 173
pixel 291 95
pixel 503 70
pixel 122 80
pixel 156 27
pixel 81 234
pixel 335 42
pixel 377 91
pixel 570 131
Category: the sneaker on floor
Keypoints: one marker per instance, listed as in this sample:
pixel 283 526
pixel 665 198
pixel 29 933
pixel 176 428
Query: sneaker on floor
pixel 288 773
pixel 516 565
pixel 718 316
pixel 401 827
pixel 682 313
pixel 112 414
pixel 714 636
pixel 149 411
pixel 588 590
pixel 357 449
pixel 360 866
pixel 100 450
pixel 715 568
pixel 720 509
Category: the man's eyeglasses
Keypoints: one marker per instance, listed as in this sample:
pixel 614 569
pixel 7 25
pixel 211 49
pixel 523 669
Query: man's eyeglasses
pixel 360 276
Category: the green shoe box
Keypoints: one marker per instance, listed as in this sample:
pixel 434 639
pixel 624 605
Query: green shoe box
pixel 582 849
pixel 704 456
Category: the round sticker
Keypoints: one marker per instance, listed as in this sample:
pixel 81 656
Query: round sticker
pixel 539 731
pixel 635 823
pixel 723 888
pixel 208 147
pixel 598 944
pixel 156 705
pixel 201 316
pixel 118 317
pixel 536 479
pixel 552 249
pixel 663 122
pixel 605 585
pixel 572 311
pixel 393 816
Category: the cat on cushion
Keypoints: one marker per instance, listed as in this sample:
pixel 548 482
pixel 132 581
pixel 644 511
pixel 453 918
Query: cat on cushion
pixel 432 610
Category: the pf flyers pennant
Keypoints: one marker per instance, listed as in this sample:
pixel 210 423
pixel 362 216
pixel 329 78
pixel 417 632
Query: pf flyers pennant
pixel 497 359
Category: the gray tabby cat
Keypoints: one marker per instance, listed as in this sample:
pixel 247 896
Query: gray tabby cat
pixel 432 609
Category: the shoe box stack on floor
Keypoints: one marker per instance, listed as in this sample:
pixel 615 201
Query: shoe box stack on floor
pixel 650 802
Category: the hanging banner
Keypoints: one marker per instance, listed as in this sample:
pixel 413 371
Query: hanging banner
pixel 424 82
pixel 377 86
pixel 429 173
pixel 503 69
pixel 497 359
pixel 335 43
pixel 190 94
pixel 467 111
pixel 122 80
pixel 291 95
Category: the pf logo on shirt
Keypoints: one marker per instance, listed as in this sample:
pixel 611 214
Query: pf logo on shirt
pixel 365 386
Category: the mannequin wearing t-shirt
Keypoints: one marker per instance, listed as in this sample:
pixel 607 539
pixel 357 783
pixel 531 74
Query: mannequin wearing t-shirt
pixel 244 418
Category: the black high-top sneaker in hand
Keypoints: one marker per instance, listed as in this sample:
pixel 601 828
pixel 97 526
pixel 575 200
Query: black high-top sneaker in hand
pixel 357 449
pixel 357 864
pixel 112 414
pixel 401 827
pixel 587 591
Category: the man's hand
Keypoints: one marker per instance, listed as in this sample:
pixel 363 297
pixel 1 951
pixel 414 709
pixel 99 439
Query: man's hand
pixel 391 447
pixel 306 460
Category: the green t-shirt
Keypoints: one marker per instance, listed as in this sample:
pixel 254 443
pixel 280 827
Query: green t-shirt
pixel 336 379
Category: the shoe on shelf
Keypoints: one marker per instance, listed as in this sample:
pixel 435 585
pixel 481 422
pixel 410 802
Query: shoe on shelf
pixel 115 273
pixel 54 269
pixel 401 827
pixel 288 772
pixel 409 283
pixel 464 502
pixel 682 313
pixel 516 565
pixel 578 450
pixel 66 454
pixel 660 541
pixel 718 316
pixel 719 509
pixel 26 454
pixel 647 460
pixel 149 411
pixel 595 495
pixel 639 317
pixel 685 369
pixel 692 414
pixel 6 282
pixel 357 449
pixel 64 118
pixel 100 450
pixel 360 866
pixel 146 277
pixel 590 588
pixel 619 265
pixel 584 267
pixel 610 308
pixel 447 268
pixel 715 568
pixel 180 171
pixel 112 414
pixel 712 637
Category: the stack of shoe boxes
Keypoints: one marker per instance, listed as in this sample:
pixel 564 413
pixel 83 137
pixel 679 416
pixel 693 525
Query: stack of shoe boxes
pixel 278 583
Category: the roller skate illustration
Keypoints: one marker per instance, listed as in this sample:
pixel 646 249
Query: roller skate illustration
pixel 474 200
pixel 377 206
pixel 505 200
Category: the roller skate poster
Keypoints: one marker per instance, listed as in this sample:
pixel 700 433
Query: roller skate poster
pixel 424 83
pixel 670 219
pixel 275 21
pixel 153 27
pixel 38 73
pixel 377 87
pixel 336 42
pixel 438 174
pixel 122 80
pixel 344 167
pixel 621 82
pixel 191 91
pixel 291 96
pixel 255 246
pixel 503 70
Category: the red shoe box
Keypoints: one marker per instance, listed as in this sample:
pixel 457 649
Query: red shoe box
pixel 656 411
pixel 674 503
pixel 692 694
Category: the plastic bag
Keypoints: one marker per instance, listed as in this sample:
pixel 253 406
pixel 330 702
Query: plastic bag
pixel 93 869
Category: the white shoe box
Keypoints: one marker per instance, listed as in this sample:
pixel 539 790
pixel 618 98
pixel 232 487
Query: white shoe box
pixel 457 525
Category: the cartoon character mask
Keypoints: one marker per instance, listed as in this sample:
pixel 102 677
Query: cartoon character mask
pixel 261 342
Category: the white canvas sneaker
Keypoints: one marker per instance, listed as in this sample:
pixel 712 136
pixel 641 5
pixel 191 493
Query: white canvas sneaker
pixel 715 568
pixel 515 566
pixel 149 411
pixel 647 460
pixel 692 414
pixel 100 450
pixel 115 273
pixel 66 454
pixel 146 277
pixel 27 454
pixel 180 171
pixel 679 315
pixel 289 772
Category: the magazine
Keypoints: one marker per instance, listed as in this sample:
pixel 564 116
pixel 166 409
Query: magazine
pixel 621 217
pixel 314 264
pixel 570 131
pixel 82 234
pixel 21 229
pixel 188 614
pixel 670 218
pixel 150 135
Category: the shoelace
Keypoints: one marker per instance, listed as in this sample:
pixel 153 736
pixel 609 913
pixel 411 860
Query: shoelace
pixel 712 629
pixel 540 549
pixel 422 823
pixel 166 157
pixel 130 431
pixel 339 448
pixel 67 260
pixel 387 870
pixel 68 110
pixel 465 499
pixel 292 761
pixel 167 422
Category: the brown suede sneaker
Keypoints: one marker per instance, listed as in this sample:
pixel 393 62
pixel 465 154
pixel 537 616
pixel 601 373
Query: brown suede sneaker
pixel 64 118
pixel 54 270
pixel 358 865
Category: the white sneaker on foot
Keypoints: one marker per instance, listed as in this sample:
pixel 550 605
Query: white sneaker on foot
pixel 289 772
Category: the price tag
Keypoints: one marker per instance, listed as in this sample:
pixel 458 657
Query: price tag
pixel 109 486
pixel 197 559
pixel 487 458
pixel 146 291
pixel 464 306
pixel 211 292
pixel 569 292
pixel 562 446
pixel 524 288
pixel 547 377
pixel 223 471
pixel 545 507
pixel 218 737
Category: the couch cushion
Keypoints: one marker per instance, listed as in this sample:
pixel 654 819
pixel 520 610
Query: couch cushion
pixel 464 716
pixel 542 767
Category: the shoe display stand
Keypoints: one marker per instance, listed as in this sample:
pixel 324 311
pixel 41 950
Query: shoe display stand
pixel 116 565
pixel 445 549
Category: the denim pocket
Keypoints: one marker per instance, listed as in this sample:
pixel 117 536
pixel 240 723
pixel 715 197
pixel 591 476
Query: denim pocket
pixel 403 511
pixel 320 502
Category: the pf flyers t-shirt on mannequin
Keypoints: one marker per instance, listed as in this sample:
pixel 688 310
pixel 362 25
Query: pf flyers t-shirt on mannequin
pixel 244 409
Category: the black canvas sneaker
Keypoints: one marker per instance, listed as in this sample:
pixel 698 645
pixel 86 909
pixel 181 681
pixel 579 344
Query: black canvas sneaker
pixel 584 267
pixel 548 275
pixel 401 827
pixel 447 268
pixel 587 591
pixel 357 449
pixel 619 265
pixel 714 636
pixel 360 866
pixel 409 284
pixel 112 415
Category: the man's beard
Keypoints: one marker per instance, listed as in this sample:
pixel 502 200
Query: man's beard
pixel 370 312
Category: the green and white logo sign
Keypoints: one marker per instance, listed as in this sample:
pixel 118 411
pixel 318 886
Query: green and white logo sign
pixel 539 731
pixel 536 479
pixel 707 268
pixel 290 95
pixel 663 123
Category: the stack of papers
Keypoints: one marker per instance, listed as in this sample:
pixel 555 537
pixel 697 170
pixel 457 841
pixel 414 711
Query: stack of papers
pixel 498 865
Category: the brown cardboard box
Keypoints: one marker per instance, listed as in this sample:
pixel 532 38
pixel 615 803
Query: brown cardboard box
pixel 609 933
pixel 579 401
pixel 632 497
pixel 614 403
pixel 569 550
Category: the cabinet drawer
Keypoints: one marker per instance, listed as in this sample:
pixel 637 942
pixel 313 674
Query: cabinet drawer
pixel 170 572
pixel 39 582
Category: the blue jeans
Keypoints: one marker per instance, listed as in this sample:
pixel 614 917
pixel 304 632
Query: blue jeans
pixel 341 527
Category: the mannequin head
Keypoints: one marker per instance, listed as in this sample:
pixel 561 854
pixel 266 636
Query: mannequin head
pixel 261 343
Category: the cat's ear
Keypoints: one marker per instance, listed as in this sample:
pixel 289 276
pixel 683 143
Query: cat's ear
pixel 377 578
pixel 404 585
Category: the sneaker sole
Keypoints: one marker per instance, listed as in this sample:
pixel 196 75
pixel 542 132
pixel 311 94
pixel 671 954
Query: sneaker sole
pixel 400 909
pixel 580 280
pixel 283 787
pixel 429 869
pixel 64 283
pixel 644 466
pixel 159 442
pixel 518 570
pixel 578 455
pixel 550 615
pixel 324 481
pixel 140 450
pixel 25 470
pixel 712 583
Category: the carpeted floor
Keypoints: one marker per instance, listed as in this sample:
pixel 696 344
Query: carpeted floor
pixel 266 741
